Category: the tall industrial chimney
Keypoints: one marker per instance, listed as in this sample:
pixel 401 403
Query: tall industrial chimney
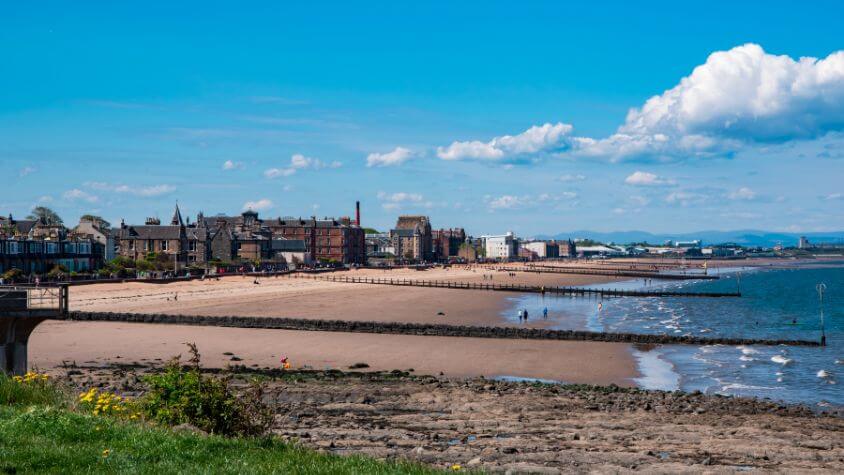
pixel 357 213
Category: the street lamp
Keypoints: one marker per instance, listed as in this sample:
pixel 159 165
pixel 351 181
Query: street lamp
pixel 821 288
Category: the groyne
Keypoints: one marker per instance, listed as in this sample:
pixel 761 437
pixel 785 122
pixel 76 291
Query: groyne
pixel 418 329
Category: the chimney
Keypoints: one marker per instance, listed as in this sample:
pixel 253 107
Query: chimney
pixel 357 213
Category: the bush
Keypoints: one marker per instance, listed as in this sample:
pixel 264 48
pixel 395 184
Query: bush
pixel 30 389
pixel 13 275
pixel 57 271
pixel 183 395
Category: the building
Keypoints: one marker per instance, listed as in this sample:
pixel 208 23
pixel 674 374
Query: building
pixel 542 249
pixel 379 244
pixel 446 243
pixel 291 251
pixel 803 243
pixel 101 238
pixel 36 247
pixel 412 238
pixel 327 240
pixel 501 247
pixel 167 244
pixel 566 248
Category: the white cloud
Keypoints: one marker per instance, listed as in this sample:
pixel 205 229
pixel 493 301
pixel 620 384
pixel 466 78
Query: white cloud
pixel 742 194
pixel 539 138
pixel 569 177
pixel 508 202
pixel 78 195
pixel 640 178
pixel 300 162
pixel 394 201
pixel 686 198
pixel 232 165
pixel 834 196
pixel 144 191
pixel 26 171
pixel 45 199
pixel 396 157
pixel 259 205
pixel 736 97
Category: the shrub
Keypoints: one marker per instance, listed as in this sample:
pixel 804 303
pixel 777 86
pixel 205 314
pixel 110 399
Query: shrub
pixel 13 275
pixel 32 388
pixel 183 395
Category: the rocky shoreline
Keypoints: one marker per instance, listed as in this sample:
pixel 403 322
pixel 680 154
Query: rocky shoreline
pixel 521 427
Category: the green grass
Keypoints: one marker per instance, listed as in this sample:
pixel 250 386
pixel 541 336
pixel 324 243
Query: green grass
pixel 39 435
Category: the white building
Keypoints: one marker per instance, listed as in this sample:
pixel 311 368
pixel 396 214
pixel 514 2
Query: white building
pixel 542 249
pixel 504 246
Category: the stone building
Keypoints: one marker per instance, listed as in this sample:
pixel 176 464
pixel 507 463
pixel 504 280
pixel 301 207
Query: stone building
pixel 326 240
pixel 412 238
pixel 169 242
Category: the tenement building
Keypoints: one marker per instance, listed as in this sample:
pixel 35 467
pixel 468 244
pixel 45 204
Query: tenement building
pixel 446 242
pixel 412 238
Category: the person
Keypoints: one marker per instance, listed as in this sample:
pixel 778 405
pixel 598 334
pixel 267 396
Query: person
pixel 526 315
pixel 545 313
pixel 37 281
pixel 521 315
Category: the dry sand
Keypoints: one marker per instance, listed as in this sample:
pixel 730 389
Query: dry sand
pixel 101 343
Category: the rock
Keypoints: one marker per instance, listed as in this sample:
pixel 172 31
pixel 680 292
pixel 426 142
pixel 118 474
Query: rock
pixel 189 428
pixel 473 462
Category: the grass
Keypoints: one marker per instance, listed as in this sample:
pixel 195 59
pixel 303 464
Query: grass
pixel 39 433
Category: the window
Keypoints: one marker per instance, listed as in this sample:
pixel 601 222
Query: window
pixel 131 245
pixel 192 245
pixel 164 245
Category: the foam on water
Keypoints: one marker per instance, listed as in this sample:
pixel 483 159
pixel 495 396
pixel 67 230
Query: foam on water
pixel 656 372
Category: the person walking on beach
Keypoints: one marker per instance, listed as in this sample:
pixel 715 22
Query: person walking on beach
pixel 521 315
pixel 545 313
pixel 526 315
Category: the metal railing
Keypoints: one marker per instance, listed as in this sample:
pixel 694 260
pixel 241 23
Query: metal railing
pixel 30 297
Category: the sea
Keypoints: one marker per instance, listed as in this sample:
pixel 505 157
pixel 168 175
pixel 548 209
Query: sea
pixel 777 303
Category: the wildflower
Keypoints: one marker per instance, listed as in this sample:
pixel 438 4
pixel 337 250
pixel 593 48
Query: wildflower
pixel 456 467
pixel 106 453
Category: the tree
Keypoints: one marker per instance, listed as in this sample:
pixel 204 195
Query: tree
pixel 45 214
pixel 102 223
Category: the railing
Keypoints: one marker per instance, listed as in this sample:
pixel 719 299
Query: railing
pixel 18 298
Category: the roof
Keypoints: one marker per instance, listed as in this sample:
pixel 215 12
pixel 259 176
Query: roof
pixel 409 222
pixel 150 232
pixel 288 245
pixel 404 232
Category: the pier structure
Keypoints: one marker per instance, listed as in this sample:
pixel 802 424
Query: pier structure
pixel 22 308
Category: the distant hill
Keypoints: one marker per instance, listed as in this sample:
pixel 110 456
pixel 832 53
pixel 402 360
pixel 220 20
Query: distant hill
pixel 745 237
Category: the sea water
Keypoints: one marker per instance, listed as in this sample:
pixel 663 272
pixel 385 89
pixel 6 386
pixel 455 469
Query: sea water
pixel 776 303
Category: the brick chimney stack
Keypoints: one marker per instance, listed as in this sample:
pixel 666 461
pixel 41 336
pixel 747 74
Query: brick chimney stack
pixel 357 213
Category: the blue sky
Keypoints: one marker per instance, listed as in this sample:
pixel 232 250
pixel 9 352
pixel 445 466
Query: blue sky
pixel 493 116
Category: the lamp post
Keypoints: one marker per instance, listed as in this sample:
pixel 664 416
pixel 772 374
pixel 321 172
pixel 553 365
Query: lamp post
pixel 821 288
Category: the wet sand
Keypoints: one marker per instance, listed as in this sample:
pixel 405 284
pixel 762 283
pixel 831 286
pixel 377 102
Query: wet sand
pixel 101 343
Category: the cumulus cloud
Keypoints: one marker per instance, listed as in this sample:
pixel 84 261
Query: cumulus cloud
pixel 232 165
pixel 396 157
pixel 300 162
pixel 742 194
pixel 258 205
pixel 736 97
pixel 78 195
pixel 640 178
pixel 539 138
pixel 143 191
pixel 508 202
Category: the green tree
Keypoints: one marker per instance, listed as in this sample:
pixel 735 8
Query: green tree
pixel 46 214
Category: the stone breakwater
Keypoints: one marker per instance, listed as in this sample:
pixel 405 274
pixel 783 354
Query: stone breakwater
pixel 418 329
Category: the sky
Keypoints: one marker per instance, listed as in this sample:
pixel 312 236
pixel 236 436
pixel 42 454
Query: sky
pixel 535 117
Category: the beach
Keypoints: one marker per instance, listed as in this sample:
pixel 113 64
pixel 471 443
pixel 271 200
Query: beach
pixel 100 343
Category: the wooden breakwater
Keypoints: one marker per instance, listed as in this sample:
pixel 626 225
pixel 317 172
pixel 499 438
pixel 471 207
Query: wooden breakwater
pixel 611 273
pixel 572 291
pixel 416 329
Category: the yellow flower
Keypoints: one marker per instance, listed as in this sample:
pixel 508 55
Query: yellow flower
pixel 456 467
pixel 106 453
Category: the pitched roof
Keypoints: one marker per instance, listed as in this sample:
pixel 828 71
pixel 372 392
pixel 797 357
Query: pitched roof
pixel 150 232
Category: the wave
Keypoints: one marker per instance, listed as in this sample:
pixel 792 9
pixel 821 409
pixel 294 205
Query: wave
pixel 781 359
